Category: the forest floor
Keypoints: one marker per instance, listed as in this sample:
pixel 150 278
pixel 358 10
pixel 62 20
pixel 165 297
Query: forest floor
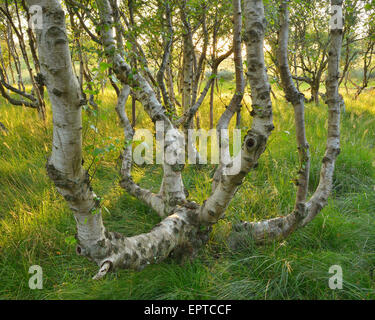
pixel 37 228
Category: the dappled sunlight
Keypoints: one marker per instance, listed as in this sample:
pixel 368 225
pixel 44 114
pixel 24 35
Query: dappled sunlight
pixel 42 226
pixel 364 103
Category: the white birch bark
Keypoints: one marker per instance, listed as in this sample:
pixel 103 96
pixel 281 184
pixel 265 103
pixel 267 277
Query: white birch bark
pixel 64 166
pixel 279 228
pixel 173 188
pixel 235 103
pixel 298 101
pixel 256 139
pixel 319 200
pixel 181 231
pixel 109 250
pixel 154 201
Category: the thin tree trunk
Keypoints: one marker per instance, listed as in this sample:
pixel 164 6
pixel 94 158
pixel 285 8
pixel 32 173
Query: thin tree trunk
pixel 214 49
pixel 254 145
pixel 280 228
pixel 298 101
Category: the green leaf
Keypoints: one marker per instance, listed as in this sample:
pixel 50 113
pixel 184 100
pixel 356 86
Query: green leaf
pixel 104 66
pixel 71 241
pixel 98 151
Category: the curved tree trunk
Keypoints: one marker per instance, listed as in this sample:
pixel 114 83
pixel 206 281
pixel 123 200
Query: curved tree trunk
pixel 186 224
pixel 280 228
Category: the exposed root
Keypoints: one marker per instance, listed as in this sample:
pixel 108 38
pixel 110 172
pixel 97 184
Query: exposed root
pixel 105 268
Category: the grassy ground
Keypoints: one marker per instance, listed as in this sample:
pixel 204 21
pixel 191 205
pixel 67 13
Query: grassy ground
pixel 36 225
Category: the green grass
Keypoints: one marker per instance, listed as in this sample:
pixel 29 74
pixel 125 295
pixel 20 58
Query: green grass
pixel 35 221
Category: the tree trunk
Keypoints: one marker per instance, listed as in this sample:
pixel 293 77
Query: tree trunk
pixel 315 91
pixel 187 71
pixel 280 228
pixel 297 99
pixel 186 225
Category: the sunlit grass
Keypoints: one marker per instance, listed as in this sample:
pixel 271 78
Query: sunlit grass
pixel 35 221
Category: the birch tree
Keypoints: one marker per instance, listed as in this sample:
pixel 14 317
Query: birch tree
pixel 185 225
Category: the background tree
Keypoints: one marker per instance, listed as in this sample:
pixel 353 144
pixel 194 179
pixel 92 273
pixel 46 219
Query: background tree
pixel 367 47
pixel 13 15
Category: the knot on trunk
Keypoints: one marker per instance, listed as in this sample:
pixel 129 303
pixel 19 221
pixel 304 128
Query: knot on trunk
pixel 73 190
pixel 255 33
